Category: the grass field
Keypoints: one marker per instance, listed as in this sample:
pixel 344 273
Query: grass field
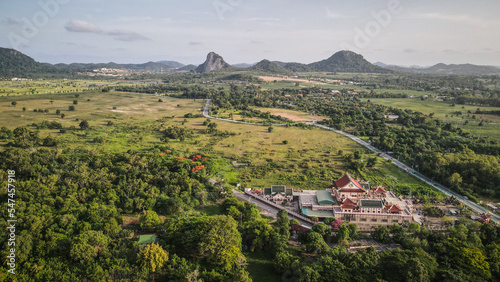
pixel 33 87
pixel 309 160
pixel 445 112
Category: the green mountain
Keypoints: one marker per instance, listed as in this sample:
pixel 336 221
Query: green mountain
pixel 444 69
pixel 15 64
pixel 297 67
pixel 267 66
pixel 346 61
pixel 149 66
pixel 172 64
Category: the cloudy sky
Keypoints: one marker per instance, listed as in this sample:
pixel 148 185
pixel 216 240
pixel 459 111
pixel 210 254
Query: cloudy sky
pixel 404 32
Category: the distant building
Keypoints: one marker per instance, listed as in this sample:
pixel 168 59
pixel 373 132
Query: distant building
pixel 278 194
pixel 278 189
pixel 494 208
pixel 147 239
pixel 279 198
pixel 391 116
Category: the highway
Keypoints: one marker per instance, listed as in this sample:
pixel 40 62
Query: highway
pixel 475 207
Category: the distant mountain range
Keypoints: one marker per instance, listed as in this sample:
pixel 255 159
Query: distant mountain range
pixel 149 66
pixel 15 64
pixel 443 69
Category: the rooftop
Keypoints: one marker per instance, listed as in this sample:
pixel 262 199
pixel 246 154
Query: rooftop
pixel 310 212
pixel 147 239
pixel 324 198
pixel 346 179
pixel 370 203
pixel 308 199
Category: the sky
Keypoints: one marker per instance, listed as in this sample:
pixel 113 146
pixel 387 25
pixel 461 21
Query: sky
pixel 401 32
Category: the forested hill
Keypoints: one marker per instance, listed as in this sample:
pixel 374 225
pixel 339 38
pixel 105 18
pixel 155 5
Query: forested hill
pixel 342 61
pixel 444 69
pixel 268 67
pixel 16 64
pixel 347 61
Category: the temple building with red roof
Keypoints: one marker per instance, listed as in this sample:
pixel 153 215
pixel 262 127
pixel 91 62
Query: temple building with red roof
pixel 356 202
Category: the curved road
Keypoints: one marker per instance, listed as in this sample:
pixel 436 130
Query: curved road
pixel 475 207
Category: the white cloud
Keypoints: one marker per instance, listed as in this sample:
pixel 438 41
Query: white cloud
pixel 126 35
pixel 119 34
pixel 410 50
pixel 333 15
pixel 82 26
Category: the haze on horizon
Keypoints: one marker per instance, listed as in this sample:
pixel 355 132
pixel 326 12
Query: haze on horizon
pixel 404 32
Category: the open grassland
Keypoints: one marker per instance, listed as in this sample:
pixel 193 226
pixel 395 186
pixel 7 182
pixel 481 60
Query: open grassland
pixel 33 87
pixel 310 158
pixel 447 113
pixel 96 107
pixel 291 114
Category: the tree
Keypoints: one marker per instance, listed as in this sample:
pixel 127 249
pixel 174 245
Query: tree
pixel 152 258
pixel 398 232
pixel 160 101
pixel 63 115
pixel 77 95
pixel 258 235
pixel 371 162
pixel 150 220
pixel 84 125
pixel 24 137
pixel 285 142
pixel 270 129
pixel 49 141
pixel 381 234
pixel 316 243
pixel 213 239
pixel 88 245
pixel 322 229
pixel 447 220
pixel 75 102
pixel 14 103
pixel 283 224
pixel 455 180
pixel 235 213
pixel 212 126
pixel 283 261
pixel 71 108
pixel 346 232
pixel 58 112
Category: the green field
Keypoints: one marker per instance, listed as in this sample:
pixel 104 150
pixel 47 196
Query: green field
pixel 309 160
pixel 447 113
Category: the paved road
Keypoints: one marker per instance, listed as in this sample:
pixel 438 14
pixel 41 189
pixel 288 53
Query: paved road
pixel 272 211
pixel 475 207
